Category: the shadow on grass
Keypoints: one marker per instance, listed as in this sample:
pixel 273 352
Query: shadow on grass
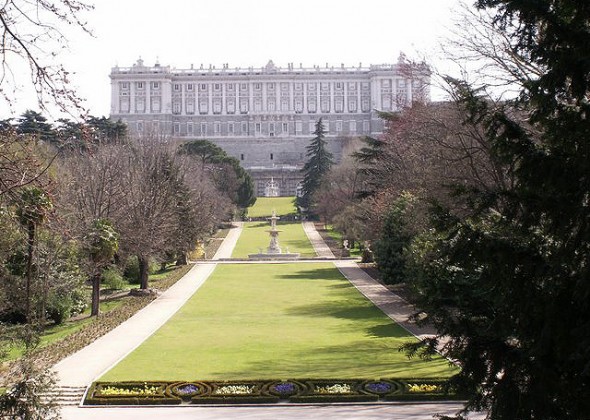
pixel 322 274
pixel 352 311
pixel 389 329
pixel 297 244
pixel 367 359
pixel 259 223
pixel 254 225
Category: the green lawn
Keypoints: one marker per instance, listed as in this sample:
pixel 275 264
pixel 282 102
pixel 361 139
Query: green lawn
pixel 276 321
pixel 265 205
pixel 254 236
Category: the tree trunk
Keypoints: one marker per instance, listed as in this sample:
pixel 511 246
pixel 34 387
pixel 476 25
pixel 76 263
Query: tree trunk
pixel 29 274
pixel 181 260
pixel 143 271
pixel 95 308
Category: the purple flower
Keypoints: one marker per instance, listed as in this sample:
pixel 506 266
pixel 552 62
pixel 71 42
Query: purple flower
pixel 284 388
pixel 187 389
pixel 379 387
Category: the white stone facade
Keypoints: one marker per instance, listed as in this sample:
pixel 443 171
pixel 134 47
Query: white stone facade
pixel 263 116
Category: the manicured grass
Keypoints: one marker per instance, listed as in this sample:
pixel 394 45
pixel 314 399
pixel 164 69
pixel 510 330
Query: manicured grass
pixel 276 321
pixel 291 237
pixel 265 205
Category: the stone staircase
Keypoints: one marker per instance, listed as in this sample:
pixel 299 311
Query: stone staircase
pixel 65 395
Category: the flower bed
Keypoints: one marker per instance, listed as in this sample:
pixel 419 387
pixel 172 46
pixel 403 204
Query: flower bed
pixel 381 388
pixel 235 392
pixel 249 392
pixel 130 393
pixel 284 389
pixel 425 390
pixel 333 391
pixel 187 390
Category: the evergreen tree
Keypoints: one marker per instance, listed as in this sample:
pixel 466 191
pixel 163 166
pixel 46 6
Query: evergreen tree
pixel 395 238
pixel 34 124
pixel 370 170
pixel 509 285
pixel 319 164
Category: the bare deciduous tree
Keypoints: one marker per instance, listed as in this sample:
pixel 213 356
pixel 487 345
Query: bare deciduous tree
pixel 337 190
pixel 91 183
pixel 487 55
pixel 21 163
pixel 31 34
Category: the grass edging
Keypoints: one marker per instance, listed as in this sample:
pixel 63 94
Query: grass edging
pixel 271 391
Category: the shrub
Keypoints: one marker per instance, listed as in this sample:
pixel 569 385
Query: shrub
pixel 59 307
pixel 79 301
pixel 113 279
pixel 131 272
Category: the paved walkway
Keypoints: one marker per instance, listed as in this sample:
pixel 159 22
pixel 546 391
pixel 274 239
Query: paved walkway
pixel 316 240
pixel 423 411
pixel 88 364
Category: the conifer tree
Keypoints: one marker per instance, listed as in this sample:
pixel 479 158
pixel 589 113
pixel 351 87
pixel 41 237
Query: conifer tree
pixel 319 164
pixel 509 285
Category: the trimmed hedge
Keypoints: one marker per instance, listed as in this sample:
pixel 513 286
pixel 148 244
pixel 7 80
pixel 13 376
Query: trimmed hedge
pixel 271 391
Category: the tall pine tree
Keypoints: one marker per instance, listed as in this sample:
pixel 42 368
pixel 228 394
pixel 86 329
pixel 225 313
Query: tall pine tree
pixel 319 164
pixel 509 286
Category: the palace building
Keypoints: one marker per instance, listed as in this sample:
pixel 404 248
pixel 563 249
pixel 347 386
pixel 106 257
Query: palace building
pixel 265 117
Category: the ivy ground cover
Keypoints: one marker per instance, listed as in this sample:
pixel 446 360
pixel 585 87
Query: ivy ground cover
pixel 254 237
pixel 253 321
pixel 265 205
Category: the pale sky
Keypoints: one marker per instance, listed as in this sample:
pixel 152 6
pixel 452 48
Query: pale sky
pixel 246 33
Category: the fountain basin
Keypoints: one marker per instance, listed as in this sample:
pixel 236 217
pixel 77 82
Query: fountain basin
pixel 261 256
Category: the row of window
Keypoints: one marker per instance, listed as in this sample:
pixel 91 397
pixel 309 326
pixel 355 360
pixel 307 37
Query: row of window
pixel 271 105
pixel 244 87
pixel 242 106
pixel 249 129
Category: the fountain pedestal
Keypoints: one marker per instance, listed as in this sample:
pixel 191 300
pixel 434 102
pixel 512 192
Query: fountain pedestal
pixel 274 252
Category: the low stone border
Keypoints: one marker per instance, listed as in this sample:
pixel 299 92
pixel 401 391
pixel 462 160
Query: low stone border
pixel 269 391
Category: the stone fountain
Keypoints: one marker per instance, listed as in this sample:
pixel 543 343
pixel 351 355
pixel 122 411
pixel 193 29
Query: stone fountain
pixel 274 251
